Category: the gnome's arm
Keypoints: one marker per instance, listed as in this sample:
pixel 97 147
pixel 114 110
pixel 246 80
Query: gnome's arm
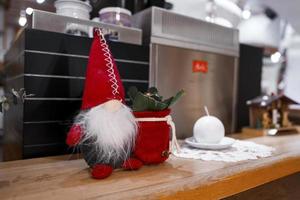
pixel 74 135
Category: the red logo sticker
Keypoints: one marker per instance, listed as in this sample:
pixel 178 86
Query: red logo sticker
pixel 200 66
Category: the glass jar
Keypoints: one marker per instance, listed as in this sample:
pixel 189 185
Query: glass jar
pixel 115 15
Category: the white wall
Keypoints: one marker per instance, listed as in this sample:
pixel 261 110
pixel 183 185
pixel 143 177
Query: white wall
pixel 225 9
pixel 269 79
pixel 260 30
pixel 292 78
pixel 193 8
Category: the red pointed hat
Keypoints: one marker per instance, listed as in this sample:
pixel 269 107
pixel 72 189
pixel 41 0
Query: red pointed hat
pixel 103 82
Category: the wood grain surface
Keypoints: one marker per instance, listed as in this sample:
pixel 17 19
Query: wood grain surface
pixel 67 178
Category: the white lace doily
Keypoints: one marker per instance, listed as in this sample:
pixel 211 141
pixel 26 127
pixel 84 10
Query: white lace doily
pixel 240 150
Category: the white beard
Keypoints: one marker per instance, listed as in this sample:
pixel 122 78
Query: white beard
pixel 112 133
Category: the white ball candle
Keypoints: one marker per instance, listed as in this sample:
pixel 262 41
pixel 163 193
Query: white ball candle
pixel 208 129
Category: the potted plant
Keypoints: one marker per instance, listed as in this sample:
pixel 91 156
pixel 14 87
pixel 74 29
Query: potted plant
pixel 154 124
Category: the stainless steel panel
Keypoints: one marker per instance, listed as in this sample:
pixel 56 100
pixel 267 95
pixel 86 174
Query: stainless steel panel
pixel 48 21
pixel 161 26
pixel 171 70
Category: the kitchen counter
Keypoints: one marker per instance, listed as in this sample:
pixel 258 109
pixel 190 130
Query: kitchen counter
pixel 63 177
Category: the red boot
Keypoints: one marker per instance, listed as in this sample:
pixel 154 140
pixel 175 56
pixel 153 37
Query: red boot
pixel 132 164
pixel 101 171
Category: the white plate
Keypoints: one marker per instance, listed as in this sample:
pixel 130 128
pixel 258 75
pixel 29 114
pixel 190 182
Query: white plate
pixel 223 144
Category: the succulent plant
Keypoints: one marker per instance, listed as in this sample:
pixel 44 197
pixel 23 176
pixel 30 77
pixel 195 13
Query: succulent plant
pixel 151 100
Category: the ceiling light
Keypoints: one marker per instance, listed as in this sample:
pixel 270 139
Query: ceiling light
pixel 22 20
pixel 208 18
pixel 40 1
pixel 246 14
pixel 29 11
pixel 275 57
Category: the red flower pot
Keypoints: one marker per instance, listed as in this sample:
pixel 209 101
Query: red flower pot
pixel 152 143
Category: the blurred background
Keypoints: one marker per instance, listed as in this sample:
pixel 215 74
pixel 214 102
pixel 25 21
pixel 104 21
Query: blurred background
pixel 270 24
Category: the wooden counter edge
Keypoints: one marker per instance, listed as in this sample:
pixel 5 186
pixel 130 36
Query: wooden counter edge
pixel 215 186
pixel 233 184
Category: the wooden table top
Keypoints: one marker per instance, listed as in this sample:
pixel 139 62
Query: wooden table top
pixel 60 178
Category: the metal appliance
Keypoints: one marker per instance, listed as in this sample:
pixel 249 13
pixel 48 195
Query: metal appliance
pixel 194 55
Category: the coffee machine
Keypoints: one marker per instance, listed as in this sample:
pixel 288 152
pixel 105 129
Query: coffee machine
pixel 194 55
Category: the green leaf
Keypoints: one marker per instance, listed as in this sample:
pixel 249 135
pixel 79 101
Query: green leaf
pixel 155 105
pixel 156 97
pixel 132 92
pixel 153 90
pixel 168 101
pixel 151 100
pixel 143 102
pixel 176 97
pixel 139 103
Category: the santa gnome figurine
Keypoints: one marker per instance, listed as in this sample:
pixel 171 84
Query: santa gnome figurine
pixel 105 129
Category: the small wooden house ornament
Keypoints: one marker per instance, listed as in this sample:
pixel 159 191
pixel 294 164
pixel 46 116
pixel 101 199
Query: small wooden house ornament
pixel 270 111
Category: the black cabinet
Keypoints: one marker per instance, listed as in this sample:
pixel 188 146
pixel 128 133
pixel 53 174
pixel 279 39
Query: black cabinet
pixel 249 81
pixel 51 67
